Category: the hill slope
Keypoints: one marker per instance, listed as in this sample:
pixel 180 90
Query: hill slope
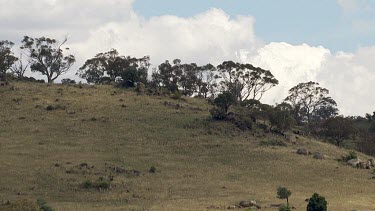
pixel 53 138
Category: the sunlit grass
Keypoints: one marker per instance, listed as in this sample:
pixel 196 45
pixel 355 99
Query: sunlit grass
pixel 199 162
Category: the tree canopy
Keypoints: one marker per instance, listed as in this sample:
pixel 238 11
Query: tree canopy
pixel 111 66
pixel 7 59
pixel 311 102
pixel 46 56
pixel 245 81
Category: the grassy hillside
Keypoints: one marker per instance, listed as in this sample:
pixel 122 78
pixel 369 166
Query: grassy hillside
pixel 53 138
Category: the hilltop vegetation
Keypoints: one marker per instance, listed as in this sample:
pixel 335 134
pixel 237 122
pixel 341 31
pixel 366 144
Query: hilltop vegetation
pixel 186 137
pixel 84 147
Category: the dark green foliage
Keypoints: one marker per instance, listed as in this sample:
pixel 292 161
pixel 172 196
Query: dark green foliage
pixel 43 205
pixel 243 122
pixel 285 208
pixel 317 203
pixel 263 127
pixel 99 185
pixel 152 169
pixel 87 184
pixel 6 58
pixel 273 143
pixel 224 101
pixel 218 113
pixel 187 78
pixel 47 57
pixel 284 193
pixel 282 120
pixel 311 103
pixel 372 127
pixel 177 95
pixel 104 185
pixel 68 81
pixel 338 129
pixel 110 67
pixel 350 156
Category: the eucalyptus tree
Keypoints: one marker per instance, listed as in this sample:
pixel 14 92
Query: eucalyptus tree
pixel 311 102
pixel 47 57
pixel 245 81
pixel 206 81
pixel 7 59
pixel 112 67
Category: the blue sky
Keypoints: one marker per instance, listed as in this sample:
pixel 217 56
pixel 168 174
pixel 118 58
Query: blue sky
pixel 322 22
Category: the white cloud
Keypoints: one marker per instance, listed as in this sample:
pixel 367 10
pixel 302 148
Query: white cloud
pixel 351 79
pixel 349 76
pixel 210 37
pixel 289 64
pixel 349 5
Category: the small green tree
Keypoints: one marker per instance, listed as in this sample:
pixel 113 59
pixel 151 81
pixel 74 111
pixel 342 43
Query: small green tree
pixel 284 193
pixel 317 203
pixel 224 101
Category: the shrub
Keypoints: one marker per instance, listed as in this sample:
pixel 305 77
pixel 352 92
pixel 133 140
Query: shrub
pixel 177 95
pixel 317 203
pixel 43 205
pixel 152 169
pixel 100 185
pixel 224 101
pixel 141 88
pixel 218 113
pixel 87 184
pixel 243 122
pixel 285 208
pixel 350 156
pixel 68 81
pixel 283 120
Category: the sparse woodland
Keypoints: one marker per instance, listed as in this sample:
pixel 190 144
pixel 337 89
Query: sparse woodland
pixel 141 125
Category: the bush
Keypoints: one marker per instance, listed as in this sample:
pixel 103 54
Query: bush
pixel 243 122
pixel 87 184
pixel 224 101
pixel 100 185
pixel 67 81
pixel 285 208
pixel 283 120
pixel 350 156
pixel 43 205
pixel 317 203
pixel 152 169
pixel 141 88
pixel 218 113
pixel 177 95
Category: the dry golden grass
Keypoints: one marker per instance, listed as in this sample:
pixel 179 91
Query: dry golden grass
pixel 199 163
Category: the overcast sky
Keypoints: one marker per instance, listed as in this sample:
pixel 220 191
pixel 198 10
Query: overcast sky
pixel 328 41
